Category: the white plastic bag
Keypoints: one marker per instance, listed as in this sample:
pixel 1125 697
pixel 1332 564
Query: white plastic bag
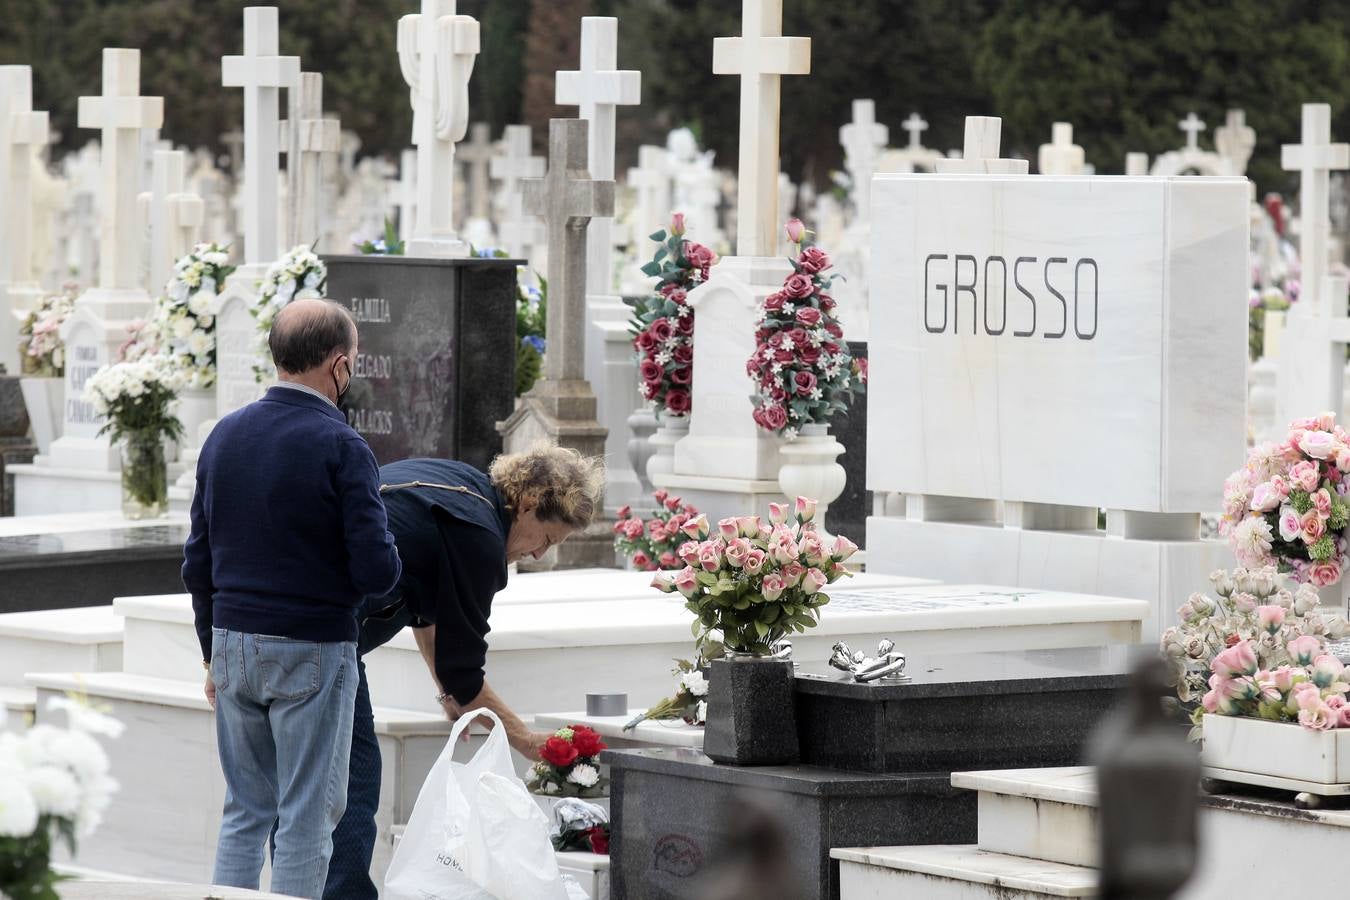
pixel 475 832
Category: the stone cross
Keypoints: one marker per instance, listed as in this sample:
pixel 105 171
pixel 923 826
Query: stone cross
pixel 863 139
pixel 1314 160
pixel 517 234
pixel 173 216
pixel 262 73
pixel 120 113
pixel 916 126
pixel 652 184
pixel 234 148
pixel 405 193
pixel 1192 126
pixel 761 55
pixel 596 89
pixel 980 155
pixel 306 136
pixel 1061 156
pixel 567 198
pixel 21 129
pixel 1235 140
pixel 436 52
pixel 477 154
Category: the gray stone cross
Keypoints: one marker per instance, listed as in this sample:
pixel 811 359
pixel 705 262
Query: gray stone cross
pixel 566 198
pixel 476 153
pixel 305 137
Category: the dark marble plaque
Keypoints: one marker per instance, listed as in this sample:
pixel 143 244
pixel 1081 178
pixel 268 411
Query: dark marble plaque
pixel 848 515
pixel 435 370
pixel 89 568
pixel 997 710
pixel 674 813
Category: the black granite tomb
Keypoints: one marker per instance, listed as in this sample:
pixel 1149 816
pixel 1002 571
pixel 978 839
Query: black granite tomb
pixel 848 515
pixel 15 445
pixel 89 568
pixel 435 370
pixel 880 759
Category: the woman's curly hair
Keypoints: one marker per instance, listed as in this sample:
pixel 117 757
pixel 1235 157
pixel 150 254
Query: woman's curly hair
pixel 566 486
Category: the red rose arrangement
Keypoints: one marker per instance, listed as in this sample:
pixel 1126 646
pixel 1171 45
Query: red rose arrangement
pixel 568 766
pixel 652 543
pixel 663 323
pixel 801 366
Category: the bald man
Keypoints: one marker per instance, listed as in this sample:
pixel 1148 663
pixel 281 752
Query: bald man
pixel 288 537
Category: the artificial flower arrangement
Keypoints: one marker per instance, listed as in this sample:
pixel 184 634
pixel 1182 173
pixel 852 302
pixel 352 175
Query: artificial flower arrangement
pixel 54 785
pixel 652 544
pixel 183 327
pixel 531 320
pixel 690 701
pixel 753 582
pixel 802 368
pixel 1247 652
pixel 44 353
pixel 569 765
pixel 581 827
pixel 1287 506
pixel 663 322
pixel 300 273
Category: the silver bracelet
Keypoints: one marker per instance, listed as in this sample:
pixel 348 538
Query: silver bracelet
pixel 442 697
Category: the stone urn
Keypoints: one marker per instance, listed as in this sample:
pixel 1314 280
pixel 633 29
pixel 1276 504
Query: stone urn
pixel 641 426
pixel 811 469
pixel 670 430
pixel 45 401
pixel 751 711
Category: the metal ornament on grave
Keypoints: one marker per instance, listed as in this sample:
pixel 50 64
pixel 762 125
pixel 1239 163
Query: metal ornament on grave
pixel 1147 785
pixel 887 666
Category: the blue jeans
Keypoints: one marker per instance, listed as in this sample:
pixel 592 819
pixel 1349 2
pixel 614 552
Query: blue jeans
pixel 283 726
pixel 354 839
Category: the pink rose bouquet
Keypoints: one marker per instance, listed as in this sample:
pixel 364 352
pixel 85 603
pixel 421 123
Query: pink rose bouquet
pixel 44 353
pixel 755 582
pixel 802 368
pixel 663 322
pixel 1253 634
pixel 652 543
pixel 1287 506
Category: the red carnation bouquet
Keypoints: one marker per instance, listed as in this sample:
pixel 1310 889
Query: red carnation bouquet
pixel 801 366
pixel 569 766
pixel 652 543
pixel 663 323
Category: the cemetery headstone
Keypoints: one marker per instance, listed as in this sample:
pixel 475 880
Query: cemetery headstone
pixel 914 156
pixel 1235 140
pixel 404 197
pixel 476 153
pixel 436 51
pixel 1191 159
pixel 1061 156
pixel 173 214
pixel 521 235
pixel 863 139
pixel 1018 401
pixel 21 129
pixel 83 170
pixel 307 137
pixel 650 181
pixel 561 407
pixel 98 325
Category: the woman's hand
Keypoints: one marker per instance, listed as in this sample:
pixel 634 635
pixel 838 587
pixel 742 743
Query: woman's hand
pixel 529 743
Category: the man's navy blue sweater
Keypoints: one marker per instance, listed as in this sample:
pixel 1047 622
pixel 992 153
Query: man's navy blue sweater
pixel 288 529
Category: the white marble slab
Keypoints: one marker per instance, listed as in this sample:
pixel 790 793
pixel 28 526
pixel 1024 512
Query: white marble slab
pixel 64 640
pixel 1071 784
pixel 972 872
pixel 150 890
pixel 649 733
pixel 64 523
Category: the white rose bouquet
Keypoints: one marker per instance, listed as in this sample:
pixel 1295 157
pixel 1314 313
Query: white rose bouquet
pixel 298 274
pixel 54 783
pixel 183 327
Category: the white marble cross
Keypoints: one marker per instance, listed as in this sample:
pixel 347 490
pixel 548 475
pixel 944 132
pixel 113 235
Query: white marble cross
pixel 980 154
pixel 596 89
pixel 172 214
pixel 476 153
pixel 405 193
pixel 20 130
pixel 436 52
pixel 518 235
pixel 1235 140
pixel 1061 156
pixel 567 198
pixel 1136 163
pixel 120 113
pixel 651 180
pixel 306 136
pixel 916 126
pixel 863 139
pixel 1192 126
pixel 761 55
pixel 1315 159
pixel 262 73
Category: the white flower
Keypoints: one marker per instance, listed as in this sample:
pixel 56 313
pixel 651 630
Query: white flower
pixel 550 788
pixel 312 279
pixel 183 327
pixel 199 343
pixel 55 791
pixel 200 302
pixel 584 775
pixel 694 683
pixel 18 811
pixel 663 357
pixel 85 717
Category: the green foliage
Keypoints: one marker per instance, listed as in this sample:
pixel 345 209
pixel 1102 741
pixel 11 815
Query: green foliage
pixel 25 863
pixel 388 245
pixel 531 322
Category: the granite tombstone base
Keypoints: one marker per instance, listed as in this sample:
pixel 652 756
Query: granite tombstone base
pixel 750 720
pixel 89 568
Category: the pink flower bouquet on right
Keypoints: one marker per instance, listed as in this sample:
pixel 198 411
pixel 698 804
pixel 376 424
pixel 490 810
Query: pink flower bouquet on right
pixel 1287 506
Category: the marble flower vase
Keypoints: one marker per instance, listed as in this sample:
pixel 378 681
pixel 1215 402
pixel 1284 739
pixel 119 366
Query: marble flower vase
pixel 45 399
pixel 1256 751
pixel 811 469
pixel 751 712
pixel 669 432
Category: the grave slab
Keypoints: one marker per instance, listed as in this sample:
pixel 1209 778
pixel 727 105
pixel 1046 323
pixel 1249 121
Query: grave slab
pixel 88 568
